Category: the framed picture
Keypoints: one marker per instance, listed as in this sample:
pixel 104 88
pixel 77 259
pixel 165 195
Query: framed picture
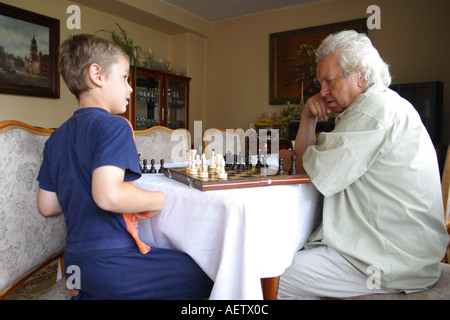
pixel 28 53
pixel 293 62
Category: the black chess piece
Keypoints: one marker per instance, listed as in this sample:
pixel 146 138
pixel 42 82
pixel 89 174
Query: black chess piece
pixel 258 163
pixel 293 169
pixel 161 168
pixel 140 165
pixel 144 168
pixel 241 164
pixel 152 167
pixel 235 164
pixel 280 168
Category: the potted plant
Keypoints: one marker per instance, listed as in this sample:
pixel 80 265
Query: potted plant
pixel 126 43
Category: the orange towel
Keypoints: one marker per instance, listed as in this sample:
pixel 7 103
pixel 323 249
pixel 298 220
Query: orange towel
pixel 132 222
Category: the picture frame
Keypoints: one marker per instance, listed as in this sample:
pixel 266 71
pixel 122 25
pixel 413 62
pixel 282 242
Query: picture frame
pixel 29 45
pixel 292 60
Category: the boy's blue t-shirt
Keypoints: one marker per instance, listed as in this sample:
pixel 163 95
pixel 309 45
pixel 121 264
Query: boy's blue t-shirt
pixel 91 138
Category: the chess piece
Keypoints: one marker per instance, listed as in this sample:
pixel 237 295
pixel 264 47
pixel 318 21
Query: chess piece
pixel 241 163
pixel 198 162
pixel 212 165
pixel 235 164
pixel 258 163
pixel 264 167
pixel 253 160
pixel 193 171
pixel 222 173
pixel 293 169
pixel 203 172
pixel 192 168
pixel 219 159
pixel 161 168
pixel 280 168
pixel 152 167
pixel 139 157
pixel 144 168
pixel 189 162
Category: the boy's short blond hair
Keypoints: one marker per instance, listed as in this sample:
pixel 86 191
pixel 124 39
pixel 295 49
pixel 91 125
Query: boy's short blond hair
pixel 79 52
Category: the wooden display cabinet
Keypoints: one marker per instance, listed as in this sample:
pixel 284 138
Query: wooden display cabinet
pixel 158 99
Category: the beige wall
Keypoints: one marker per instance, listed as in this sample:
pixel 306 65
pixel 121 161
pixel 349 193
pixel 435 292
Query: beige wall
pixel 229 62
pixel 413 39
pixel 53 112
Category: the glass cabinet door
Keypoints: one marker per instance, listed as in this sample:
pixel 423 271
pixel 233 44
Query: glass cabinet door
pixel 148 102
pixel 158 99
pixel 176 104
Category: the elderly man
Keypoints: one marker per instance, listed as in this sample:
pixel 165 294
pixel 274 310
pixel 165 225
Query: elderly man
pixel 382 227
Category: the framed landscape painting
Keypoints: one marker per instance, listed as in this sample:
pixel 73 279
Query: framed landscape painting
pixel 28 53
pixel 293 62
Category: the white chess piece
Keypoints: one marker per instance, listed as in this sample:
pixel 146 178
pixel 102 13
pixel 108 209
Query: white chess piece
pixel 198 162
pixel 222 174
pixel 212 165
pixel 192 169
pixel 219 159
pixel 189 166
pixel 203 172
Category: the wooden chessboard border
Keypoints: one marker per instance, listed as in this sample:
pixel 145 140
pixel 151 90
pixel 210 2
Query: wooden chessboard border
pixel 207 184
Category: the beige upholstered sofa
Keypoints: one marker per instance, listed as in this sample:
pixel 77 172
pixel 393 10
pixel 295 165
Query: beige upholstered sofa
pixel 163 143
pixel 28 240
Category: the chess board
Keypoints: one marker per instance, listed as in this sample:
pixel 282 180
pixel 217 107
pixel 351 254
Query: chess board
pixel 236 178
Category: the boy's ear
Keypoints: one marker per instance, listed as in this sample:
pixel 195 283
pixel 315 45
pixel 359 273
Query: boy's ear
pixel 95 74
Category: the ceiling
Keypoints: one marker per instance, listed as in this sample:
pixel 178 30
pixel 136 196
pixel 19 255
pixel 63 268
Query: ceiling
pixel 216 10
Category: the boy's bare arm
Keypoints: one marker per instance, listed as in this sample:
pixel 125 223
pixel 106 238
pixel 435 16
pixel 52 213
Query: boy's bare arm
pixel 48 203
pixel 111 193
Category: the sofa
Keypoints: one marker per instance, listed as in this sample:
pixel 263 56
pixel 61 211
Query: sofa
pixel 161 143
pixel 28 240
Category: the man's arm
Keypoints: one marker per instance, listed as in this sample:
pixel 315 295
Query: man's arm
pixel 111 193
pixel 314 109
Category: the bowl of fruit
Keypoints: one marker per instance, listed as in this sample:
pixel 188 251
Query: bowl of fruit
pixel 266 123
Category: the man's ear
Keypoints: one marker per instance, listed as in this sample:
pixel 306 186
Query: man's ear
pixel 361 80
pixel 95 74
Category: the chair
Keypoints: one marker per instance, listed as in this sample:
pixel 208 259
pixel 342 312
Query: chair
pixel 163 143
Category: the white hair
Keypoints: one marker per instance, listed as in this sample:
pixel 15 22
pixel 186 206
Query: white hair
pixel 356 55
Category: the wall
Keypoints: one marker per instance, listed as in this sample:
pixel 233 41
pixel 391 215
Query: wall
pixel 229 63
pixel 413 39
pixel 47 112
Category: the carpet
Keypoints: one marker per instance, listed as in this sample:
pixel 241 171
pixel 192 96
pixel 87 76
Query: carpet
pixel 37 284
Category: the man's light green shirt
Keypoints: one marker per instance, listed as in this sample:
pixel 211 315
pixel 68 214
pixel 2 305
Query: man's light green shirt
pixel 383 206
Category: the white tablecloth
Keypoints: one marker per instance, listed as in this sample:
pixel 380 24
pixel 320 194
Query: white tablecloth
pixel 236 236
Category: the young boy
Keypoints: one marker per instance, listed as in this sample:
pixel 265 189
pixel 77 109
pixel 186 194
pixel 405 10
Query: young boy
pixel 87 172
